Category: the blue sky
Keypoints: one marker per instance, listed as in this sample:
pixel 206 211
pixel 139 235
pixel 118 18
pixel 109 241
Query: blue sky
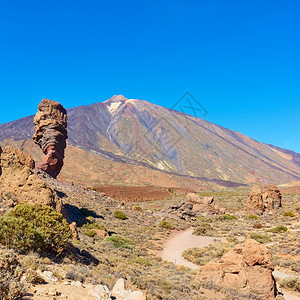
pixel 239 59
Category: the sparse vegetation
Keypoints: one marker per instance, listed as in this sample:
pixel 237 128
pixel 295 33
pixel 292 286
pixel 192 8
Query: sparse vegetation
pixel 252 217
pixel 88 228
pixel 291 283
pixel 278 229
pixel 166 224
pixel 261 238
pixel 119 215
pixel 11 273
pixel 143 261
pixel 288 214
pixel 228 217
pixel 202 229
pixel 119 242
pixel 201 256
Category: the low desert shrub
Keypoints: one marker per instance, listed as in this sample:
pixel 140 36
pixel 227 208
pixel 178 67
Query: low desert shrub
pixel 202 229
pixel 261 238
pixel 227 217
pixel 166 224
pixel 288 214
pixel 119 215
pixel 119 242
pixel 291 283
pixel 88 228
pixel 201 256
pixel 34 227
pixel 203 219
pixel 252 217
pixel 278 229
pixel 138 208
pixel 11 273
pixel 143 261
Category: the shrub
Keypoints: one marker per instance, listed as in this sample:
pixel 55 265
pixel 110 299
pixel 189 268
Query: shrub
pixel 36 227
pixel 298 208
pixel 278 229
pixel 119 242
pixel 11 273
pixel 88 228
pixel 138 208
pixel 291 283
pixel 143 261
pixel 228 217
pixel 252 217
pixel 288 214
pixel 257 225
pixel 261 238
pixel 204 219
pixel 166 224
pixel 201 229
pixel 119 215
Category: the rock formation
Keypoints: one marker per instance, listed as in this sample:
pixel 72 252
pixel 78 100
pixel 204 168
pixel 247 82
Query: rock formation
pixel 19 183
pixel 263 198
pixel 247 268
pixel 192 206
pixel 50 133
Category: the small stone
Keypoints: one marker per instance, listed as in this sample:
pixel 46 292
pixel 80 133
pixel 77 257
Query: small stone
pixel 136 295
pixel 48 275
pixel 76 283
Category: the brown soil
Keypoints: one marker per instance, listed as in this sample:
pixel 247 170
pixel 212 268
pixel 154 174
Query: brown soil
pixel 138 193
pixel 290 190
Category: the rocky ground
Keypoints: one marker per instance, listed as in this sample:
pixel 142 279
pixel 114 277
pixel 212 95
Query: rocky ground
pixel 119 245
pixel 114 246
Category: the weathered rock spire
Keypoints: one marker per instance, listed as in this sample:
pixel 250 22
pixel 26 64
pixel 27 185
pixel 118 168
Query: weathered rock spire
pixel 50 133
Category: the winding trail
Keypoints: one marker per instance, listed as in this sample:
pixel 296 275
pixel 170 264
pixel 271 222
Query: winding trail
pixel 180 241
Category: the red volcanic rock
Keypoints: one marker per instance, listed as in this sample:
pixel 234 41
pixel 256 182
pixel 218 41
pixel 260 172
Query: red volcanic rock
pixel 50 133
pixel 262 198
pixel 247 268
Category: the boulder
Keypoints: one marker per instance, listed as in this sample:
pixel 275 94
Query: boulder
pixel 50 133
pixel 247 268
pixel 192 206
pixel 263 198
pixel 20 184
pixel 100 233
pixel 74 230
pixel 121 292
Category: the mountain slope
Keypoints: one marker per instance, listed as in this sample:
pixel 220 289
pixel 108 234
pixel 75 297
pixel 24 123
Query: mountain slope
pixel 139 132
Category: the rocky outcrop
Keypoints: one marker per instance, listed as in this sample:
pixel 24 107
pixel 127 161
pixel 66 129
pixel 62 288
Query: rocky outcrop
pixel 247 268
pixel 192 206
pixel 263 198
pixel 50 133
pixel 20 184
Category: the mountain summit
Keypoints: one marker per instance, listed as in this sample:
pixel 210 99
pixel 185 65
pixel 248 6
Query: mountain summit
pixel 138 132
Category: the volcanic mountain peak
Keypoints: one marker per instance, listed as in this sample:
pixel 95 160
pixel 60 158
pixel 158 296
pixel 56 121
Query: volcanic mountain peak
pixel 139 132
pixel 115 103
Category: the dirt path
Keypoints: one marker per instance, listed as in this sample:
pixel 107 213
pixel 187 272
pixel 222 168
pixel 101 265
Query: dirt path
pixel 180 241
